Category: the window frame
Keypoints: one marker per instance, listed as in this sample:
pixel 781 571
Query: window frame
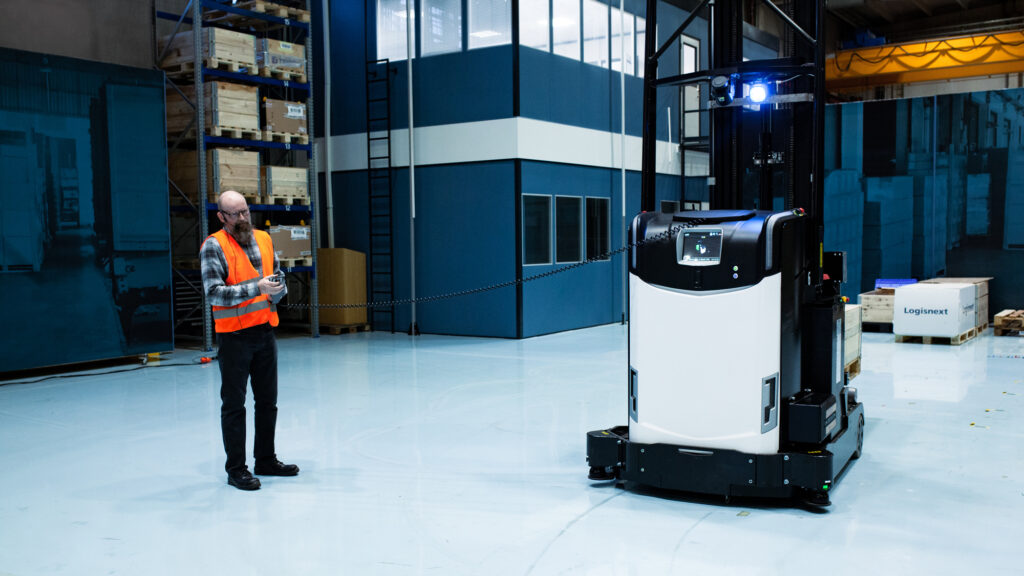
pixel 581 235
pixel 551 227
pixel 607 228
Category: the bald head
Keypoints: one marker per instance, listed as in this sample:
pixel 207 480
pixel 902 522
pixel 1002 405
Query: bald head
pixel 231 201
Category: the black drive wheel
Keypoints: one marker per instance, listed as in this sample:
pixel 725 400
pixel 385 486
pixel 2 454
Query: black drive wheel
pixel 860 437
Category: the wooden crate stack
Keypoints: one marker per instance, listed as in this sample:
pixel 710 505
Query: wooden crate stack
pixel 285 185
pixel 981 296
pixel 222 49
pixel 1008 321
pixel 284 121
pixel 232 110
pixel 852 340
pixel 226 169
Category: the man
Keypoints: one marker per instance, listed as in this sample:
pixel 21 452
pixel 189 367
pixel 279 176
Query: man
pixel 239 267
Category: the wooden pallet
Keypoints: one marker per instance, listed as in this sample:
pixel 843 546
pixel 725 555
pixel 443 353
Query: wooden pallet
pixel 293 262
pixel 285 137
pixel 953 341
pixel 1008 322
pixel 232 132
pixel 186 69
pixel 262 7
pixel 20 268
pixel 853 369
pixel 290 200
pixel 337 329
pixel 291 75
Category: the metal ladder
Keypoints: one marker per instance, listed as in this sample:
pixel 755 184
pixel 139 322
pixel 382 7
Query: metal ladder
pixel 381 278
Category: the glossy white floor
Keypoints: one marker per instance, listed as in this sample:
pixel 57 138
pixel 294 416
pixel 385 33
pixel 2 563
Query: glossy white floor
pixel 441 455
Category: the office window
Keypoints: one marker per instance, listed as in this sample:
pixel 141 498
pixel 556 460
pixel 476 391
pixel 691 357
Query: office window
pixel 595 33
pixel 568 229
pixel 565 28
pixel 689 62
pixel 622 40
pixel 535 24
pixel 598 232
pixel 391 32
pixel 536 229
pixel 441 27
pixel 641 45
pixel 490 23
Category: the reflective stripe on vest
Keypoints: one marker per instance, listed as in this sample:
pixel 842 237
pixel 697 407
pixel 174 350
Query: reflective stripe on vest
pixel 254 311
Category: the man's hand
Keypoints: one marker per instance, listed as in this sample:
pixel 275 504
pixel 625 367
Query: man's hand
pixel 270 286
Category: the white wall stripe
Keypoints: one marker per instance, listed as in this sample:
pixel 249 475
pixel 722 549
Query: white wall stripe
pixel 509 139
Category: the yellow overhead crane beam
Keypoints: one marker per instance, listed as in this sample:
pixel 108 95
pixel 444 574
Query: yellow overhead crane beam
pixel 965 57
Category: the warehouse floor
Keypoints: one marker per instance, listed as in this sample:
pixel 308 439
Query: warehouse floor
pixel 444 455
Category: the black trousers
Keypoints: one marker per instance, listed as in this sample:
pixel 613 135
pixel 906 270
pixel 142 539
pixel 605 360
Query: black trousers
pixel 249 353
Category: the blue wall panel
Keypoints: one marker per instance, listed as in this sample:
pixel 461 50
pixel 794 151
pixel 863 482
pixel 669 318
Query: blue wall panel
pixel 465 239
pixel 558 89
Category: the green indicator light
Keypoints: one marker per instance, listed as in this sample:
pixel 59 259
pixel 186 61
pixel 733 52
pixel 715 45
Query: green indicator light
pixel 824 486
pixel 735 268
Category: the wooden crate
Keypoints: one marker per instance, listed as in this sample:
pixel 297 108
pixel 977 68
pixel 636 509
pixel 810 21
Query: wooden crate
pixel 1008 321
pixel 285 185
pixel 222 49
pixel 282 60
pixel 261 6
pixel 232 110
pixel 852 336
pixel 981 296
pixel 876 306
pixel 226 169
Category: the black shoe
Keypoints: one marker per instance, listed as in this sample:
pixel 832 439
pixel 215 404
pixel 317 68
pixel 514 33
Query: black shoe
pixel 276 468
pixel 243 480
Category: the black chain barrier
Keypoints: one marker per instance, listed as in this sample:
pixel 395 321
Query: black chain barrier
pixel 666 235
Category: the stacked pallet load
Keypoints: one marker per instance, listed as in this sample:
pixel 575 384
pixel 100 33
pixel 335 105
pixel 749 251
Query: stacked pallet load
pixel 222 50
pixel 888 227
pixel 281 60
pixel 226 169
pixel 232 110
pixel 844 223
pixel 876 309
pixel 1008 322
pixel 260 6
pixel 981 296
pixel 284 121
pixel 285 185
pixel 852 340
pixel 935 313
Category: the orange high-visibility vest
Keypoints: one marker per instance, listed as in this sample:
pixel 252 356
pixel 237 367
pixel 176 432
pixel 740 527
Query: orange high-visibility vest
pixel 255 311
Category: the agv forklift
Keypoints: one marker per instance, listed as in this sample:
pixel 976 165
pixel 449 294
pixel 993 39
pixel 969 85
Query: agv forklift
pixel 736 384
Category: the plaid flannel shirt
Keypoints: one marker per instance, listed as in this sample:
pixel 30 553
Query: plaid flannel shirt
pixel 215 272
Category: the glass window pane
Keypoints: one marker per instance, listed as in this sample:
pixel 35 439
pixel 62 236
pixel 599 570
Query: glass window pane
pixel 490 23
pixel 620 18
pixel 391 32
pixel 441 31
pixel 689 62
pixel 641 45
pixel 595 33
pixel 597 227
pixel 566 28
pixel 536 229
pixel 568 229
pixel 534 28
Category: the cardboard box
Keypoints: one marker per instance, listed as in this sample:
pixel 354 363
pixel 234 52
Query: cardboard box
pixel 946 310
pixel 341 279
pixel 276 56
pixel 283 116
pixel 877 305
pixel 291 242
pixel 981 299
pixel 226 169
pixel 852 336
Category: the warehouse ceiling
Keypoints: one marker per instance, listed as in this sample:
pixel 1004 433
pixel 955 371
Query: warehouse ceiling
pixel 908 20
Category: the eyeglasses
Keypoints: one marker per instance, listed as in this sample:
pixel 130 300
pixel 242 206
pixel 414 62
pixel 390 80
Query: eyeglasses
pixel 244 213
